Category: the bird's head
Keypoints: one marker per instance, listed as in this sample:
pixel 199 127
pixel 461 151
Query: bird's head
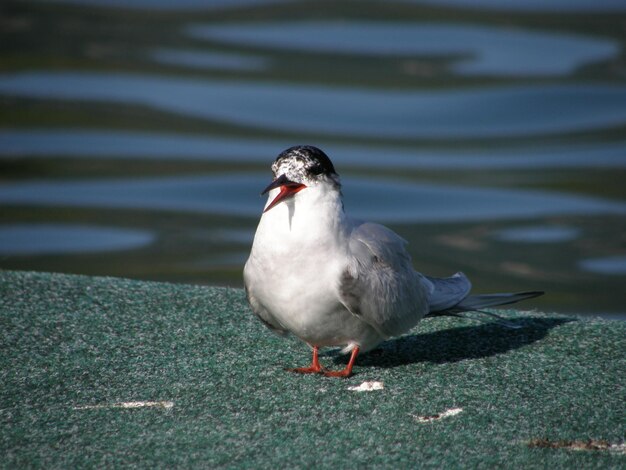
pixel 299 168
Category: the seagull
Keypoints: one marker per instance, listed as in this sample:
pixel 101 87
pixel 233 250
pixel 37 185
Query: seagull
pixel 335 281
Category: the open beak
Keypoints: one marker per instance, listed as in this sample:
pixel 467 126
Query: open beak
pixel 287 189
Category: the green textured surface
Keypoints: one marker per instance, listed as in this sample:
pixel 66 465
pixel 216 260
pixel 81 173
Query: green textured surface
pixel 68 342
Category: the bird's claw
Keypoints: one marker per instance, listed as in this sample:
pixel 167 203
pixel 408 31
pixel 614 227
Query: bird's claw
pixel 321 370
pixel 308 370
pixel 345 373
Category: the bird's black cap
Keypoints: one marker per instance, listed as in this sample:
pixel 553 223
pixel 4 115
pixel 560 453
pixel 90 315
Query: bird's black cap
pixel 313 160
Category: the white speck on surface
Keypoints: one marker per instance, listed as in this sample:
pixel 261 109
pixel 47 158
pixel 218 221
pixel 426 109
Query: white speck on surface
pixel 582 445
pixel 367 387
pixel 438 416
pixel 620 448
pixel 130 404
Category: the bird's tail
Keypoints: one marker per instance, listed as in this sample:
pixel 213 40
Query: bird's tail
pixel 476 304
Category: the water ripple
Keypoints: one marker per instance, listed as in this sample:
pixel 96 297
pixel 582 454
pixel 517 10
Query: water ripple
pixel 538 234
pixel 57 238
pixel 209 60
pixel 105 143
pixel 168 5
pixel 237 194
pixel 534 6
pixel 476 113
pixel 484 50
pixel 610 265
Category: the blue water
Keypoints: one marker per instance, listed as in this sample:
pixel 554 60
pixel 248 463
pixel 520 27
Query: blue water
pixel 554 6
pixel 386 201
pixel 533 6
pixel 539 234
pixel 500 111
pixel 209 60
pixel 608 265
pixel 102 143
pixel 56 238
pixel 170 5
pixel 473 50
pixel 490 134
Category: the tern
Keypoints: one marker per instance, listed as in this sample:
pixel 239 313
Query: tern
pixel 332 280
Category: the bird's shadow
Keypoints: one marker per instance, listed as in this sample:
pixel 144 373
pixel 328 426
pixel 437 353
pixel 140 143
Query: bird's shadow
pixel 457 344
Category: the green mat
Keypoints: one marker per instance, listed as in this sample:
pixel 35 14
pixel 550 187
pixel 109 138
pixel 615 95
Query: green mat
pixel 110 372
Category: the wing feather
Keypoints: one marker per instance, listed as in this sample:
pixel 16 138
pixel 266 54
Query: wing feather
pixel 448 292
pixel 380 285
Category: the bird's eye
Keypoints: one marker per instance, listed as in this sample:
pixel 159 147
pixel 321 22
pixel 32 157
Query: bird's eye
pixel 317 170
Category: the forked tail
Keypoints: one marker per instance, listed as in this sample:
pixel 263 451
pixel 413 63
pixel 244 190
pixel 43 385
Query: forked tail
pixel 448 297
pixel 477 302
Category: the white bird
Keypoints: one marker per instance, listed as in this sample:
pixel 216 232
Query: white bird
pixel 335 281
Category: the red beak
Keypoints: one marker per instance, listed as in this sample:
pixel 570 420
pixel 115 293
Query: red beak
pixel 287 189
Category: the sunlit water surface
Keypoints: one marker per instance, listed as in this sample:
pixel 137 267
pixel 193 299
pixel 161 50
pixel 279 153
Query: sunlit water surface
pixel 495 145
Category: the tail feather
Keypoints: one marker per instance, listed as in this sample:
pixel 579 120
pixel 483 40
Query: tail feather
pixel 475 303
pixel 445 293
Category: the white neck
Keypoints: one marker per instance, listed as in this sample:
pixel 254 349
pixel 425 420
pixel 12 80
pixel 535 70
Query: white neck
pixel 312 218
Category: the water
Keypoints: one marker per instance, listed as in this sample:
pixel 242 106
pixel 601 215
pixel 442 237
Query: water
pixel 539 234
pixel 499 111
pixel 382 200
pixel 209 60
pixel 534 6
pixel 105 143
pixel 48 239
pixel 611 265
pixel 167 5
pixel 496 51
pixel 134 142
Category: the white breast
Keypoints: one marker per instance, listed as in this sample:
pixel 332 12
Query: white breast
pixel 299 252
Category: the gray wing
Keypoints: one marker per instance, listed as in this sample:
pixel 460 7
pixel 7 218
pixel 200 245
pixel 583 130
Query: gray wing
pixel 380 285
pixel 445 293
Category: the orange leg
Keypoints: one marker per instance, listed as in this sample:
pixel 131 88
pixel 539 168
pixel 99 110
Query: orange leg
pixel 314 368
pixel 347 372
